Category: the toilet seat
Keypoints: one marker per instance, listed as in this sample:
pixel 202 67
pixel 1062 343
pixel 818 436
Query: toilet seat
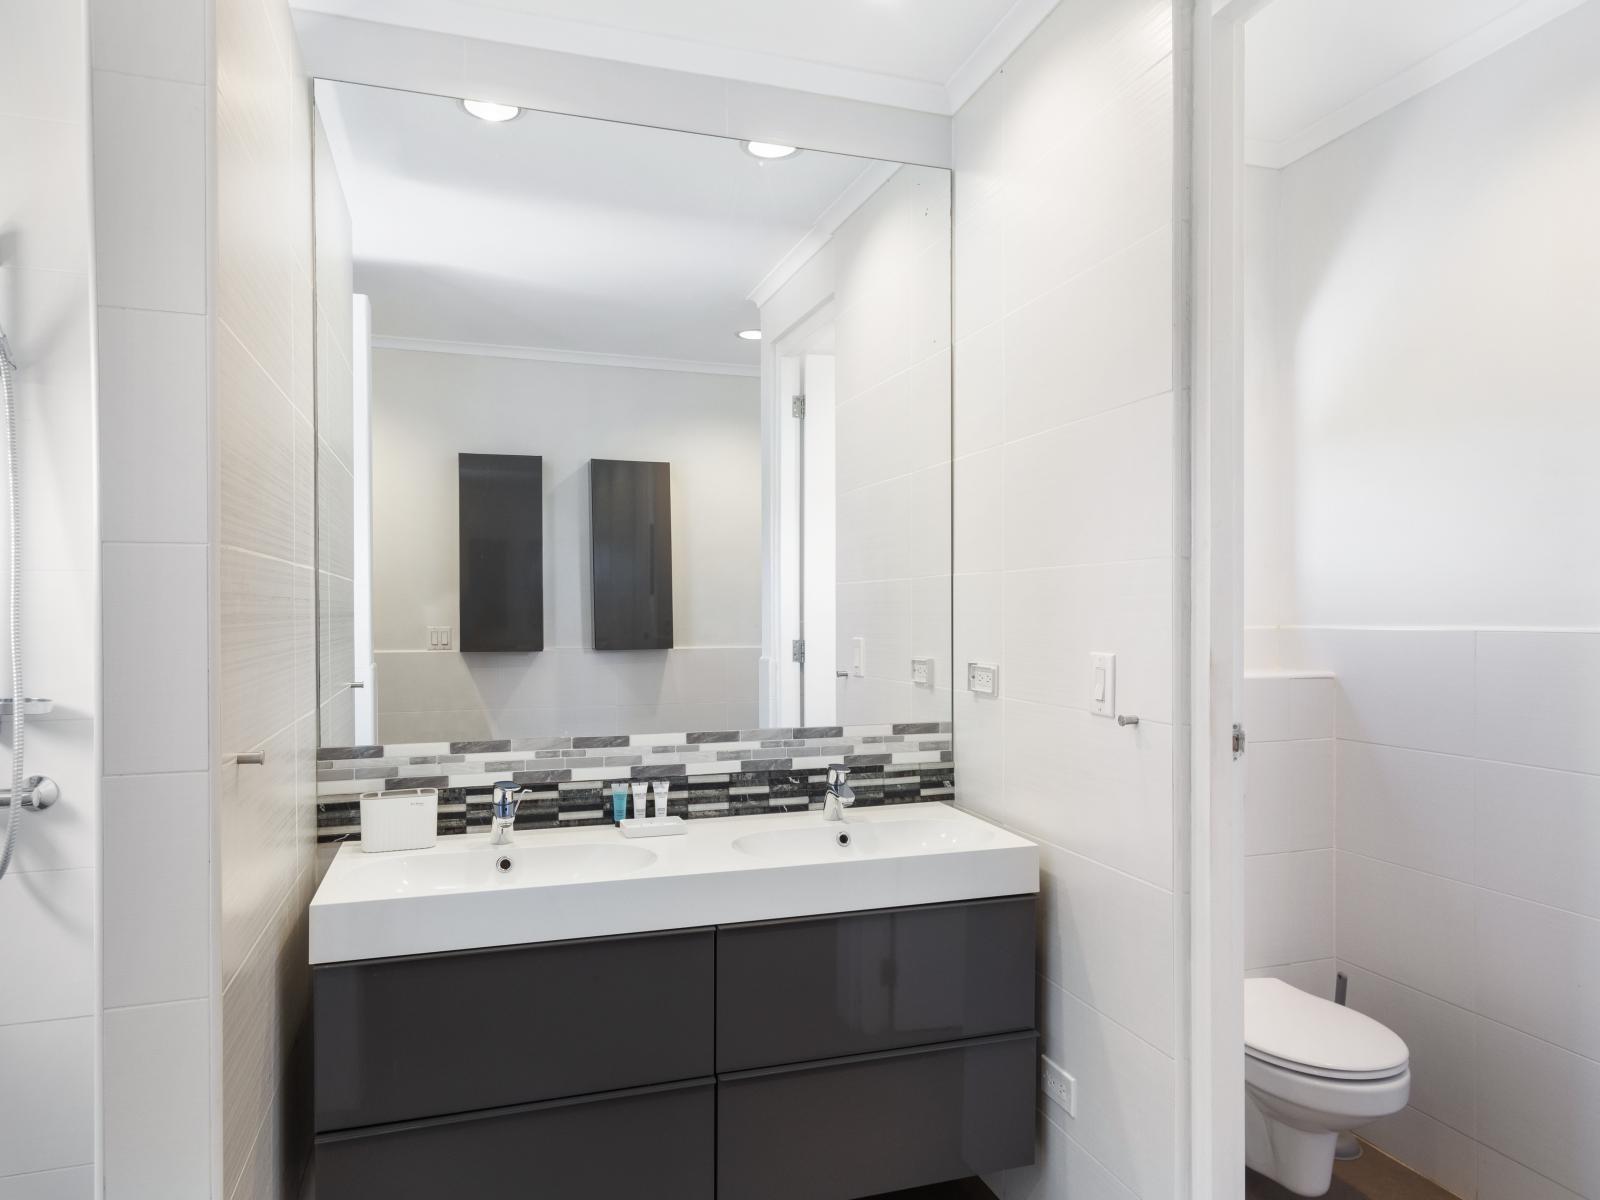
pixel 1296 1031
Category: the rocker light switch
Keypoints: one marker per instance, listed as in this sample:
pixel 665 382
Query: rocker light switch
pixel 1103 684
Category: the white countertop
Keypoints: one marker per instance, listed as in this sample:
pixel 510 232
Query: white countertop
pixel 592 881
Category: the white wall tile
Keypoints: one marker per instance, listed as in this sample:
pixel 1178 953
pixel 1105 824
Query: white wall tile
pixel 44 195
pixel 150 193
pixel 1313 707
pixel 154 426
pixel 1539 699
pixel 1092 786
pixel 1397 687
pixel 155 656
pixel 1537 835
pixel 1541 970
pixel 55 1128
pixel 1059 617
pixel 979 421
pixel 1126 1089
pixel 1117 466
pixel 978 276
pixel 1265 701
pixel 1441 1040
pixel 1428 1147
pixel 1288 796
pixel 156 877
pixel 65 1183
pixel 1288 907
pixel 1317 977
pixel 1062 1168
pixel 1407 807
pixel 1539 1105
pixel 977 489
pixel 160 38
pixel 47 921
pixel 158 1102
pixel 64 750
pixel 1499 1178
pixel 1108 939
pixel 1413 928
pixel 257 842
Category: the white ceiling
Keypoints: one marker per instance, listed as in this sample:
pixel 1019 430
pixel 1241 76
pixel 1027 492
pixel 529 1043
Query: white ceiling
pixel 1316 69
pixel 921 54
pixel 561 234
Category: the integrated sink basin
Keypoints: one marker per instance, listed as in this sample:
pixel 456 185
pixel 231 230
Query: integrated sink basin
pixel 554 885
pixel 837 840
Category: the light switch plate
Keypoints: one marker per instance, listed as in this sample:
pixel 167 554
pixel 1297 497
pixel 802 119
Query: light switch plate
pixel 1059 1088
pixel 922 672
pixel 439 637
pixel 858 657
pixel 983 678
pixel 1103 684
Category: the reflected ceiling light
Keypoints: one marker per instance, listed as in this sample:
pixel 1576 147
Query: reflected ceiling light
pixel 769 150
pixel 750 335
pixel 488 110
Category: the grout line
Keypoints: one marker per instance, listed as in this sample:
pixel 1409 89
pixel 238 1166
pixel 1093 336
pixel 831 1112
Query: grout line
pixel 1467 883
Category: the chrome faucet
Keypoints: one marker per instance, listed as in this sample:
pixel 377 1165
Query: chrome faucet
pixel 840 795
pixel 507 797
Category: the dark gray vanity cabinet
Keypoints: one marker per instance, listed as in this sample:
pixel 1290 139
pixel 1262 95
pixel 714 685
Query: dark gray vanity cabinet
pixel 397 1039
pixel 821 1058
pixel 824 987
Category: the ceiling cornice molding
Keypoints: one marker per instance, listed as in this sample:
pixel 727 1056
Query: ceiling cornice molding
pixel 991 54
pixel 582 358
pixel 861 189
pixel 1430 72
pixel 468 19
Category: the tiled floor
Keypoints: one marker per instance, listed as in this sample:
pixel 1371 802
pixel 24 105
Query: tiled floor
pixel 1373 1176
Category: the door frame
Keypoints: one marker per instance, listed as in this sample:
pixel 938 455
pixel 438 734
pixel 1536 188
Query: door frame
pixel 1216 849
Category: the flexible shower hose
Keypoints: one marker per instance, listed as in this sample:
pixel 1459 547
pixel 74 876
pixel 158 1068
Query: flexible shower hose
pixel 13 470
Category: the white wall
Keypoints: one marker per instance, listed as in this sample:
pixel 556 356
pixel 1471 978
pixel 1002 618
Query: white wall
pixel 49 918
pixel 427 408
pixel 1068 432
pixel 1437 293
pixel 891 319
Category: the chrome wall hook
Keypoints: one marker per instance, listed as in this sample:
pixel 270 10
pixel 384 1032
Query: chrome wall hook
pixel 1122 720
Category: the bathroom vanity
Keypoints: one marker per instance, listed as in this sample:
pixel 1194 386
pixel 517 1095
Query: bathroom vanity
pixel 773 1006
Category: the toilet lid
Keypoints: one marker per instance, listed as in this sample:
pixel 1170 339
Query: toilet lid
pixel 1302 1032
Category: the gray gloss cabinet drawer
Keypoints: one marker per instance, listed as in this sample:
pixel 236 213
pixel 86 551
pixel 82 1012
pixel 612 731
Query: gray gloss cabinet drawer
pixel 876 1123
pixel 402 1038
pixel 823 987
pixel 654 1142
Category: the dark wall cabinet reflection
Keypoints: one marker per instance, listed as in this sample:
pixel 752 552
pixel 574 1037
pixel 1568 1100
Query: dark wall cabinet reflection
pixel 630 517
pixel 502 552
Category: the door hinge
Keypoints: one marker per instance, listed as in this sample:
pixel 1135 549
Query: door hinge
pixel 1238 741
pixel 798 650
pixel 797 407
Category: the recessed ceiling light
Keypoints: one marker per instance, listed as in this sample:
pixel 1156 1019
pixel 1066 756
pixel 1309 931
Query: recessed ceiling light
pixel 488 110
pixel 750 335
pixel 769 149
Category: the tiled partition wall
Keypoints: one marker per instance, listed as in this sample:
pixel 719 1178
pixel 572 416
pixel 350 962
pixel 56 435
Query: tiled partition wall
pixel 722 773
pixel 1070 537
pixel 1468 913
pixel 1288 828
pixel 151 87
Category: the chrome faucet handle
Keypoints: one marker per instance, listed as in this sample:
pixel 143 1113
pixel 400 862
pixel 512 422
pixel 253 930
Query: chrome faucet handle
pixel 507 799
pixel 840 795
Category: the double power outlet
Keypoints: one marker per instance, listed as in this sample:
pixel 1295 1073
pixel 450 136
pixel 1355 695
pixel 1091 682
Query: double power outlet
pixel 1059 1088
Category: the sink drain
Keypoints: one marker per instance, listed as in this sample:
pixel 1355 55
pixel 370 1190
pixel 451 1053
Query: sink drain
pixel 844 839
pixel 503 863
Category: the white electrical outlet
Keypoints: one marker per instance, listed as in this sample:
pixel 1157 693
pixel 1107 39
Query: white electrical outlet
pixel 1059 1088
pixel 1103 684
pixel 983 678
pixel 922 672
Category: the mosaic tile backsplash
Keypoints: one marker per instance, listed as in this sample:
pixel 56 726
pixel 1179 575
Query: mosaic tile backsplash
pixel 719 773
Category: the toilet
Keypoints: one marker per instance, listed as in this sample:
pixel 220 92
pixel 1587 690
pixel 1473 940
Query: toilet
pixel 1313 1069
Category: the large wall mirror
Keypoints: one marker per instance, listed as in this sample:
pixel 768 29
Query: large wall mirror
pixel 624 431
